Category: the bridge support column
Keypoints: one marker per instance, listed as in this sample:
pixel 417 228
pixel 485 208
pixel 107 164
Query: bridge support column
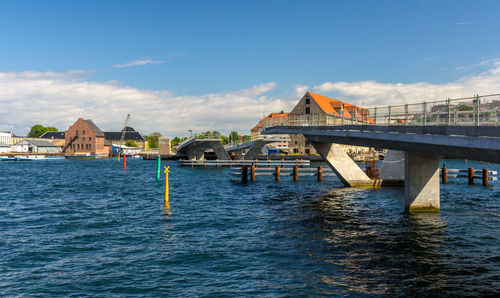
pixel 220 151
pixel 392 169
pixel 345 168
pixel 421 183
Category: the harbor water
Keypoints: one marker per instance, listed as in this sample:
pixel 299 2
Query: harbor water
pixel 72 227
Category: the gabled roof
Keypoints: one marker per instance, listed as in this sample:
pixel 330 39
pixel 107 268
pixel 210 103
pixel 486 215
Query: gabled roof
pixel 130 134
pixel 53 135
pixel 281 115
pixel 334 107
pixel 38 143
pixel 98 131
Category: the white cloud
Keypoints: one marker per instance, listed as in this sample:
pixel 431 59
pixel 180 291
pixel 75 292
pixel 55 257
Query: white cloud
pixel 373 93
pixel 300 90
pixel 138 62
pixel 58 99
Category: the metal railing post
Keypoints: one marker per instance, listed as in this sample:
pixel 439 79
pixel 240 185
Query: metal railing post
pixel 342 112
pixel 449 112
pixel 375 117
pixel 406 114
pixel 476 109
pixel 496 118
pixel 455 117
pixel 389 119
pixel 424 106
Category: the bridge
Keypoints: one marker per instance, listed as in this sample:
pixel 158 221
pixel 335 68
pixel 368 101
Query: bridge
pixel 420 134
pixel 254 147
pixel 195 148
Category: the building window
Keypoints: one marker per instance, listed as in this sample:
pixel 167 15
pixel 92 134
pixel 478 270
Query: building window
pixel 90 139
pixel 295 142
pixel 295 150
pixel 90 146
pixel 86 146
pixel 308 101
pixel 308 110
pixel 83 139
pixel 83 132
pixel 77 132
pixel 307 151
pixel 307 143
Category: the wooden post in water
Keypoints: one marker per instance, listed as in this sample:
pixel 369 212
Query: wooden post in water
pixel 277 173
pixel 485 177
pixel 471 176
pixel 252 173
pixel 295 173
pixel 217 162
pixel 244 174
pixel 124 161
pixel 320 174
pixel 444 175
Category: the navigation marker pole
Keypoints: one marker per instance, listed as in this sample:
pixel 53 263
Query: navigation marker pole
pixel 166 186
pixel 158 168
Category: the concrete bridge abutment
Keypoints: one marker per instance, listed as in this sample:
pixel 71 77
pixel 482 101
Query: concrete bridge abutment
pixel 345 168
pixel 421 183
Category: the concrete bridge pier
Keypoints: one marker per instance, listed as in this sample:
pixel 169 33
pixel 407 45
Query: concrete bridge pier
pixel 345 168
pixel 421 182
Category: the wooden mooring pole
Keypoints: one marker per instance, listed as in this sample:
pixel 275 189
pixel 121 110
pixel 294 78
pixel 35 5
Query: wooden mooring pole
pixel 252 173
pixel 485 177
pixel 244 174
pixel 320 173
pixel 471 176
pixel 277 173
pixel 295 173
pixel 444 175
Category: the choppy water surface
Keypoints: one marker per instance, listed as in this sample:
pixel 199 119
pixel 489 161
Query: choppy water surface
pixel 90 228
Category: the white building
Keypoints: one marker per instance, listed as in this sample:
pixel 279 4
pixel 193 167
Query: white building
pixel 4 148
pixel 35 146
pixel 6 137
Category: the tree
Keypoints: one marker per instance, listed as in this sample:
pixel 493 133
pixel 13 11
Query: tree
pixel 38 130
pixel 234 137
pixel 246 138
pixel 131 143
pixel 153 139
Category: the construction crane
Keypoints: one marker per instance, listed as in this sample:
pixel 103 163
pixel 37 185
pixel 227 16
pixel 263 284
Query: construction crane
pixel 69 143
pixel 124 130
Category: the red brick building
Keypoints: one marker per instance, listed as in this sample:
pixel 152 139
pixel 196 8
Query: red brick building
pixel 84 137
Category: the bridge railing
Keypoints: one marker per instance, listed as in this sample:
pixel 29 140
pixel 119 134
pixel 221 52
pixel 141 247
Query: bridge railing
pixel 471 111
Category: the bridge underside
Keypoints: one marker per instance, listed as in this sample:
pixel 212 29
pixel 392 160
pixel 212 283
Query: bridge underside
pixel 253 147
pixel 196 149
pixel 422 148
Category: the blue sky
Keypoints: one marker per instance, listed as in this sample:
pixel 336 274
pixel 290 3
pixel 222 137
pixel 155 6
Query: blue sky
pixel 195 51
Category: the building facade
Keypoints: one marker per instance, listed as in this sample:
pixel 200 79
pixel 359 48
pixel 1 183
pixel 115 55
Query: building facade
pixel 316 110
pixel 35 146
pixel 85 137
pixel 6 137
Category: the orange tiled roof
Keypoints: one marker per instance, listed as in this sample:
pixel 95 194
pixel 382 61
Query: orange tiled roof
pixel 333 107
pixel 269 117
